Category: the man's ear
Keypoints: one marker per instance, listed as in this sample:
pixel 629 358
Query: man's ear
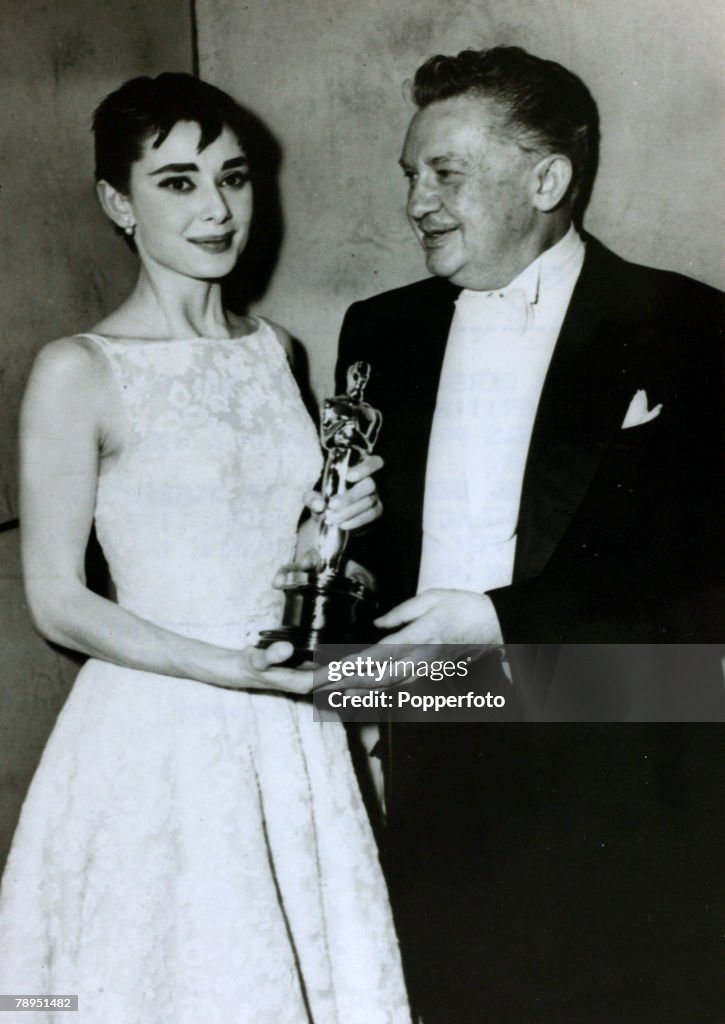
pixel 116 206
pixel 552 178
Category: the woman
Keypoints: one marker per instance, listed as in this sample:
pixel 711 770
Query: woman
pixel 193 847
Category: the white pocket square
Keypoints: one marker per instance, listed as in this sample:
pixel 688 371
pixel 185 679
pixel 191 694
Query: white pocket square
pixel 638 413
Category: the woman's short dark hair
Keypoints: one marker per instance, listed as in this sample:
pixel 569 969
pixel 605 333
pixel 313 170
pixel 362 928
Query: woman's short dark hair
pixel 148 108
pixel 545 105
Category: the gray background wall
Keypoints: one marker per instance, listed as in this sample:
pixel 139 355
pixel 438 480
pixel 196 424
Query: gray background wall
pixel 60 267
pixel 60 264
pixel 327 79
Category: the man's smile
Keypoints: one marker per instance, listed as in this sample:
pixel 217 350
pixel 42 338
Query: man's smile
pixel 432 236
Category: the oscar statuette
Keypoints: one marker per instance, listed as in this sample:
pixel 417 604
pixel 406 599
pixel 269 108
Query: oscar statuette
pixel 322 605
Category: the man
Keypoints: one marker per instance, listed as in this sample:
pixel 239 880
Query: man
pixel 552 436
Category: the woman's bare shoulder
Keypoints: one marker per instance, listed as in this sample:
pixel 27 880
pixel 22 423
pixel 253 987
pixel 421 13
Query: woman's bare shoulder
pixel 73 361
pixel 243 325
pixel 283 336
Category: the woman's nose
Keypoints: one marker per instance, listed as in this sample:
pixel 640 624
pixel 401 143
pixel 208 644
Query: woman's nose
pixel 215 206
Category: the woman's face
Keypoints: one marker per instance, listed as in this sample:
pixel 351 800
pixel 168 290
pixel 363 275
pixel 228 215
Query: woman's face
pixel 191 209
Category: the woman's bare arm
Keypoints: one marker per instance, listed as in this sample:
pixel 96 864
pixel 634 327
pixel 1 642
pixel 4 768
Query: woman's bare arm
pixel 69 419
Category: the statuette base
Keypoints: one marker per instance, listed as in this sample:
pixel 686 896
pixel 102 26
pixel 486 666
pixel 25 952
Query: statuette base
pixel 320 608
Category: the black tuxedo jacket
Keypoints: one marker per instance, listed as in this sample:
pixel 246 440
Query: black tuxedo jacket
pixel 620 532
pixel 619 539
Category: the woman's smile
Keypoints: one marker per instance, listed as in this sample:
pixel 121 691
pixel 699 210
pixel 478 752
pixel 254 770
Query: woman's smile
pixel 215 243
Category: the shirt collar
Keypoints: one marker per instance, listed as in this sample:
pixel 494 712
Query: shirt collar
pixel 550 267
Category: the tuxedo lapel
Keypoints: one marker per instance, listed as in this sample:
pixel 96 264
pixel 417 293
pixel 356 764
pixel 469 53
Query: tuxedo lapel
pixel 426 329
pixel 579 409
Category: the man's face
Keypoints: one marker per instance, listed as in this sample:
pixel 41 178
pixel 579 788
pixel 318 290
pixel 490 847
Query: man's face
pixel 470 193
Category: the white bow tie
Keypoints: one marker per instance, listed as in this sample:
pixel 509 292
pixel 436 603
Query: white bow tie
pixel 507 308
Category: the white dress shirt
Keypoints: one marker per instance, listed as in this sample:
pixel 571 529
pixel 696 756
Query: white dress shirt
pixel 497 356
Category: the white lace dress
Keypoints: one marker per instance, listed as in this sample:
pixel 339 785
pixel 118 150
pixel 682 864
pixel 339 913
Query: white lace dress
pixel 188 854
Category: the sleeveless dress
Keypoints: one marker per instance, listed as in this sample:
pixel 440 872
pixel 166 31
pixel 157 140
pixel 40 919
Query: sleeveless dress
pixel 189 854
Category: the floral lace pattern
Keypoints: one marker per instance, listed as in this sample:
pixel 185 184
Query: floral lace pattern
pixel 187 853
pixel 201 508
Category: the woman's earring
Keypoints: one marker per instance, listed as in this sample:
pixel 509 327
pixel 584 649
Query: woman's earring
pixel 130 230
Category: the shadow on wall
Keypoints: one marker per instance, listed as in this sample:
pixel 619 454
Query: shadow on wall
pixel 250 278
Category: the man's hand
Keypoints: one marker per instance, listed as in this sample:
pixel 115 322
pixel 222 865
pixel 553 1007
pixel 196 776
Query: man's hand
pixel 443 617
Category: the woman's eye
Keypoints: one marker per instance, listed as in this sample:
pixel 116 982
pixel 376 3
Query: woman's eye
pixel 177 184
pixel 236 180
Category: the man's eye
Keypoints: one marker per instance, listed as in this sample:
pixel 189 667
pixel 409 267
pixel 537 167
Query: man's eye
pixel 236 180
pixel 177 184
pixel 445 174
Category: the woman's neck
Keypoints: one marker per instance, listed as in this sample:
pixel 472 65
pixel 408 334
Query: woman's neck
pixel 168 305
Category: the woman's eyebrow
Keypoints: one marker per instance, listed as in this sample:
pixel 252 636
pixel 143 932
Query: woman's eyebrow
pixel 235 161
pixel 177 168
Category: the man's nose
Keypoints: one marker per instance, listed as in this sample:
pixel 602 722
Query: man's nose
pixel 215 205
pixel 423 198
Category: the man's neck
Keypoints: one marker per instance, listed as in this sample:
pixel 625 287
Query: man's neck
pixel 549 234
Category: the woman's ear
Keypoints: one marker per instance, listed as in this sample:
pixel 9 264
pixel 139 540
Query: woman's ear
pixel 116 206
pixel 552 178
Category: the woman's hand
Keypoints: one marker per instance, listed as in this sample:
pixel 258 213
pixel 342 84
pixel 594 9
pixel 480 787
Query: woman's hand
pixel 255 668
pixel 360 505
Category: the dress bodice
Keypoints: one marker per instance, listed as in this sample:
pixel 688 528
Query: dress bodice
pixel 205 496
